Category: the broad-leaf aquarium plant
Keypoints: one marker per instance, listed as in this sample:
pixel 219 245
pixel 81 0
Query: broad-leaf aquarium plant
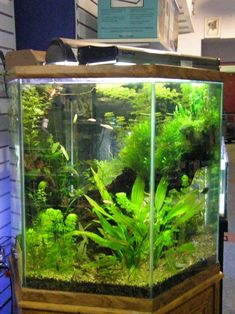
pixel 119 182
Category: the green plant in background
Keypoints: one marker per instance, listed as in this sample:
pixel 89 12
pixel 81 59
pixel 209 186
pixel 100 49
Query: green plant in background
pixel 191 131
pixel 51 242
pixel 186 134
pixel 172 144
pixel 167 98
pixel 39 196
pixel 135 153
pixel 117 91
pixel 35 107
pixel 137 100
pixel 133 132
pixel 108 170
pixel 123 223
pixel 45 159
pixel 50 165
pixel 138 97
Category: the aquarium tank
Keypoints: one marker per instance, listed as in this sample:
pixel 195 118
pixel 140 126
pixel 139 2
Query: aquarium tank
pixel 115 176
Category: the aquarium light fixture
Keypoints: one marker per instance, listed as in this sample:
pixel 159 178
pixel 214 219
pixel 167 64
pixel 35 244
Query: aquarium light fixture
pixel 94 52
pixel 128 56
pixel 97 55
pixel 61 53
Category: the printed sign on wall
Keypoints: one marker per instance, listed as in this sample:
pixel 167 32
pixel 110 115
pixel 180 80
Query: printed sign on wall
pixel 125 19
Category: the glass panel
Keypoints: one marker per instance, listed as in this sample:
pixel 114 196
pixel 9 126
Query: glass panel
pixel 121 183
pixel 87 166
pixel 187 159
pixel 15 159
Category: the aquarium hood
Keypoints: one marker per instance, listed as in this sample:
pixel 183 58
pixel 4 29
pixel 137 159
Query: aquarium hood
pixel 62 50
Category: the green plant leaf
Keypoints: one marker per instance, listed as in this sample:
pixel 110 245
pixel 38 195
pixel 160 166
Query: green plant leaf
pixel 123 201
pixel 195 208
pixel 63 150
pixel 184 205
pixel 54 147
pixel 160 193
pixel 129 222
pixel 97 207
pixel 112 244
pixel 101 187
pixel 110 230
pixel 137 192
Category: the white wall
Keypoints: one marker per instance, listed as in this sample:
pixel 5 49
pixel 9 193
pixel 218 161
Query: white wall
pixel 225 10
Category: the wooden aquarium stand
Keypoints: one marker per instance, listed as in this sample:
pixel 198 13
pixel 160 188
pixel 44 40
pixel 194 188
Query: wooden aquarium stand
pixel 199 294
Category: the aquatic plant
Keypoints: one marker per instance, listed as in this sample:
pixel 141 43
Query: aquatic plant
pixel 184 135
pixel 51 242
pixel 137 97
pixel 125 233
pixel 135 153
pixel 117 91
pixel 45 159
pixel 123 222
pixel 35 107
pixel 49 165
pixel 39 196
pixel 108 170
pixel 171 213
pixel 119 232
pixel 191 131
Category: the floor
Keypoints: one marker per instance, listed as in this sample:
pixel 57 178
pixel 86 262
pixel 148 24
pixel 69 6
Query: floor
pixel 229 246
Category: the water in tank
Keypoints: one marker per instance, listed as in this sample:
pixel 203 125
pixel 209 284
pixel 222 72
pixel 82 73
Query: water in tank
pixel 115 182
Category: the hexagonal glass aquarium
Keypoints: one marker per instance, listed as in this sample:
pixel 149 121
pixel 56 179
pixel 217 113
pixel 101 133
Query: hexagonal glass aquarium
pixel 115 176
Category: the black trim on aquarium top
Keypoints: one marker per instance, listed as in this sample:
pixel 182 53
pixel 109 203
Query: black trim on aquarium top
pixel 120 290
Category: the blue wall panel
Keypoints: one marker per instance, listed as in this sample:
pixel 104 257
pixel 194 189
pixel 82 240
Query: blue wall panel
pixel 39 21
pixel 5 214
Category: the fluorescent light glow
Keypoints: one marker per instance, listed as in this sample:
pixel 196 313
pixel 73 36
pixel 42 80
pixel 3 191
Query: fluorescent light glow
pixel 222 202
pixel 125 63
pixel 102 62
pixel 70 63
